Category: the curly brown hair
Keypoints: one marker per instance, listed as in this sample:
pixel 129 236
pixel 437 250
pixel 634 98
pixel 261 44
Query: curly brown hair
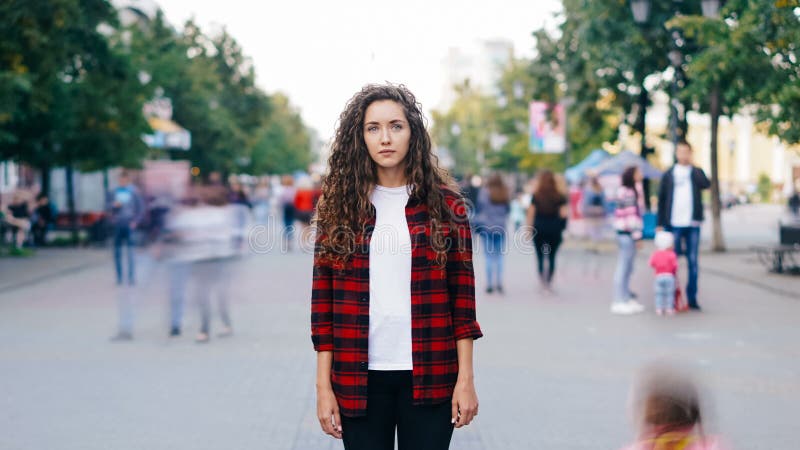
pixel 345 206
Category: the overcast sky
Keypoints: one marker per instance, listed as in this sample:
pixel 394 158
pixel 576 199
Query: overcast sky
pixel 321 52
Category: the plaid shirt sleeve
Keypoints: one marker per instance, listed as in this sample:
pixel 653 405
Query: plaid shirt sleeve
pixel 322 302
pixel 460 273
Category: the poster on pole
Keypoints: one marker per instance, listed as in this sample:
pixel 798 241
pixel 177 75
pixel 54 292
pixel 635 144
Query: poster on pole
pixel 547 128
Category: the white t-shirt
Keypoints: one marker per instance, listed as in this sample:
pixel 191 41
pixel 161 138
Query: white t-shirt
pixel 682 198
pixel 390 282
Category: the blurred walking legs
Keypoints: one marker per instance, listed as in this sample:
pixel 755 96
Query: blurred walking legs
pixel 123 235
pixel 493 245
pixel 178 277
pixel 125 301
pixel 288 224
pixel 211 278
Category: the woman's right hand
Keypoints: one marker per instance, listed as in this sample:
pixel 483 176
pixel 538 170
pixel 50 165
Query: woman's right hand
pixel 328 412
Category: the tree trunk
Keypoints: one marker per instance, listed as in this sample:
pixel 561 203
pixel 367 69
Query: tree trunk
pixel 73 218
pixel 717 242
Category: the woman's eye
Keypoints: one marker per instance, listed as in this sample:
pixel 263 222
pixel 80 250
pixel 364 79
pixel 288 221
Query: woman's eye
pixel 397 126
pixel 372 129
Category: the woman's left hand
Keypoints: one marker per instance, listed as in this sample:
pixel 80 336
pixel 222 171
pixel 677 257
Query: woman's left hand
pixel 465 403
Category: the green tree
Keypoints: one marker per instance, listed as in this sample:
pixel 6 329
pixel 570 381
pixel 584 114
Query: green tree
pixel 747 57
pixel 70 96
pixel 72 99
pixel 212 87
pixel 465 129
pixel 283 144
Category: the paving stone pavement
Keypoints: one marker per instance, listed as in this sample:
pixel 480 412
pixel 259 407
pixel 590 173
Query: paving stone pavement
pixel 553 372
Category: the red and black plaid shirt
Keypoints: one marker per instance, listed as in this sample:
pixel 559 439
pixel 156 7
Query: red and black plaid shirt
pixel 442 310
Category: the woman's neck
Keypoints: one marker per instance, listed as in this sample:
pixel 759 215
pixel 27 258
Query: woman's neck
pixel 393 177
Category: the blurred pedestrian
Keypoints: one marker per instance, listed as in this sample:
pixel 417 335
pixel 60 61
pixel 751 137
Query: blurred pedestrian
pixel 493 209
pixel 680 210
pixel 794 201
pixel 287 195
pixel 392 267
pixel 665 264
pixel 547 214
pixel 517 214
pixel 628 225
pixel 261 195
pixel 44 217
pixel 668 412
pixel 470 189
pixel 170 248
pixel 206 237
pixel 594 212
pixel 304 207
pixel 126 208
pixel 18 217
pixel 240 207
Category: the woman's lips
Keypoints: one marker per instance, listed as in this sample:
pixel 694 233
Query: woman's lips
pixel 386 152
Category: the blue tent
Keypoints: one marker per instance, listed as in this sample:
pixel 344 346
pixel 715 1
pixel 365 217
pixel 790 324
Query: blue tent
pixel 623 160
pixel 577 173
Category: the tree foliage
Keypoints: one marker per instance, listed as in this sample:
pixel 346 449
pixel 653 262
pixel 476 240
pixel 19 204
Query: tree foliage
pixel 73 82
pixel 283 145
pixel 69 97
pixel 751 53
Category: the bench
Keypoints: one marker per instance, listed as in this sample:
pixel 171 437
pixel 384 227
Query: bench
pixel 779 258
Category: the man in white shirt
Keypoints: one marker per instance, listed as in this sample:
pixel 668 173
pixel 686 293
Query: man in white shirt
pixel 680 209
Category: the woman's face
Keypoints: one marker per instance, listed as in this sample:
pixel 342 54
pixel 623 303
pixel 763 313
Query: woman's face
pixel 638 175
pixel 386 133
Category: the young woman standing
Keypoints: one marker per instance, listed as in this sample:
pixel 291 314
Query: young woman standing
pixel 393 299
pixel 628 225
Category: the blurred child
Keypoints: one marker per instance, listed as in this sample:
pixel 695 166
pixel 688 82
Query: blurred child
pixel 667 411
pixel 665 263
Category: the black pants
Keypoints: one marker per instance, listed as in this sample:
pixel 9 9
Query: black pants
pixel 546 248
pixel 389 406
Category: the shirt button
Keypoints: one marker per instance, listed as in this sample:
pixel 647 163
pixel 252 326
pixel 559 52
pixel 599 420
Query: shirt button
pixel 364 366
pixel 363 299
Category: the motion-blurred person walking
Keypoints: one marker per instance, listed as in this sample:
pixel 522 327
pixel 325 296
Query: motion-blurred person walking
pixel 169 248
pixel 240 206
pixel 126 208
pixel 493 209
pixel 43 219
pixel 668 411
pixel 261 195
pixel 594 212
pixel 518 207
pixel 628 225
pixel 206 236
pixel 287 195
pixel 547 214
pixel 304 207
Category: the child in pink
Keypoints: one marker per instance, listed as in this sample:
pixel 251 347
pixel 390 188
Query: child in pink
pixel 667 408
pixel 665 264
